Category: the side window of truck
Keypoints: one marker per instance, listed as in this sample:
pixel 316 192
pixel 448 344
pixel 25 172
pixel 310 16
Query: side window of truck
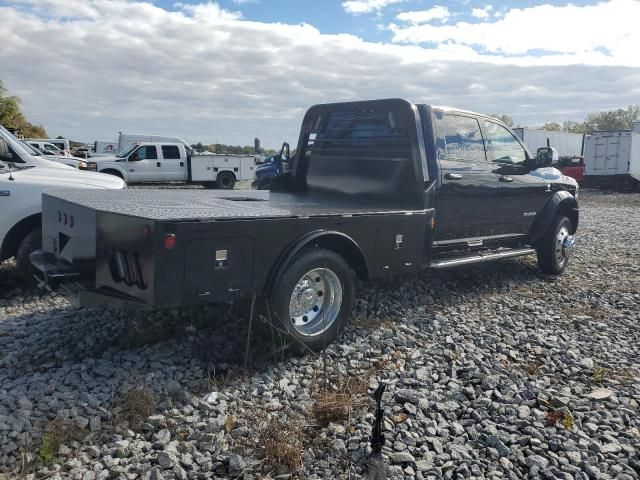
pixel 170 152
pixel 147 152
pixel 503 145
pixel 463 139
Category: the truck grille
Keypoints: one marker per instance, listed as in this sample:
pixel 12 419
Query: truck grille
pixel 128 267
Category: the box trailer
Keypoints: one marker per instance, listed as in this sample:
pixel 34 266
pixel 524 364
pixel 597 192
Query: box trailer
pixel 612 159
pixel 567 144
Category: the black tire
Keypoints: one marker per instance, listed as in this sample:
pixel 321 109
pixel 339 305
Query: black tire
pixel 225 181
pixel 333 267
pixel 551 248
pixel 115 173
pixel 264 184
pixel 29 244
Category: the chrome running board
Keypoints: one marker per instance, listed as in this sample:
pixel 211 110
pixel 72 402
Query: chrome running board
pixel 479 258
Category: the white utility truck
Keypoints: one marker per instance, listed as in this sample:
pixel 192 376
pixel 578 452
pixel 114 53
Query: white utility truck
pixel 158 162
pixel 21 187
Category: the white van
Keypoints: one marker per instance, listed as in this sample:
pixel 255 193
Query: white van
pixel 125 140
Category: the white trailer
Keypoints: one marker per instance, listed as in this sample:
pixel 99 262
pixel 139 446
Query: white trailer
pixel 567 144
pixel 612 159
pixel 104 148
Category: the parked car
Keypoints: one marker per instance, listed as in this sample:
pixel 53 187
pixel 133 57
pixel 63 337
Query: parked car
pixel 173 162
pixel 572 167
pixel 376 188
pixel 49 148
pixel 74 162
pixel 21 189
pixel 60 143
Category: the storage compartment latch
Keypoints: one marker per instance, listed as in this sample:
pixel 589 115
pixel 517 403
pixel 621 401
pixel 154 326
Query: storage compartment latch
pixel 399 241
pixel 221 259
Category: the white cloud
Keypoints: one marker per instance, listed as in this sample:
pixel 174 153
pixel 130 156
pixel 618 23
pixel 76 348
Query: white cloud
pixel 482 12
pixel 202 73
pixel 357 7
pixel 605 33
pixel 424 16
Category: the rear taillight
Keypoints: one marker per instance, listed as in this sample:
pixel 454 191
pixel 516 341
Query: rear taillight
pixel 169 241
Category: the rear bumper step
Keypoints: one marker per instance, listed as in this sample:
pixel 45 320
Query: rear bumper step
pixel 480 258
pixel 52 270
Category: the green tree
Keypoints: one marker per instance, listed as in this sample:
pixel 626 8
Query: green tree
pixel 504 118
pixel 619 119
pixel 12 117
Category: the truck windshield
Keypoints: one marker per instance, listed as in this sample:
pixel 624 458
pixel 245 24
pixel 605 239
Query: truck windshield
pixel 127 151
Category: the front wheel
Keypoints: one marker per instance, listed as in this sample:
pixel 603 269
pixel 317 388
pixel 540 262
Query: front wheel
pixel 29 244
pixel 556 246
pixel 313 298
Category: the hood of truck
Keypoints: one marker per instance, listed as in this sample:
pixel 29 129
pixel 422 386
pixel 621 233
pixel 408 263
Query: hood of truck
pixel 68 178
pixel 553 175
pixel 107 158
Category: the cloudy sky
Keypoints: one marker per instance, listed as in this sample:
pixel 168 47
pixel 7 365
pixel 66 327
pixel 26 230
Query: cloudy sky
pixel 231 70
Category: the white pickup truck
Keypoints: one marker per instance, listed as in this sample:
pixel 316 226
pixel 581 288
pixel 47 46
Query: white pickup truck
pixel 157 162
pixel 22 180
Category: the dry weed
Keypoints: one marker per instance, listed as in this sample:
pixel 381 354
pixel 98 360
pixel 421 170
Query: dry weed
pixel 336 402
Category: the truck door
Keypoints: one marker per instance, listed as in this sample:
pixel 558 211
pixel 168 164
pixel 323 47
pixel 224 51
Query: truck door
pixel 522 191
pixel 143 165
pixel 469 188
pixel 174 164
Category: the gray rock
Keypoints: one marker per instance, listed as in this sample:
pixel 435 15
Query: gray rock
pixel 237 464
pixel 166 460
pixel 401 457
pixel 537 461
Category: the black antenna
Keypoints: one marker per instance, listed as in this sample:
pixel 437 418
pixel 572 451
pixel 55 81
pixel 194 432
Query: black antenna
pixel 11 165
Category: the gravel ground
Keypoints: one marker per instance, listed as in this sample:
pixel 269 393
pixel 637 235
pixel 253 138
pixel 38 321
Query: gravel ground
pixel 493 371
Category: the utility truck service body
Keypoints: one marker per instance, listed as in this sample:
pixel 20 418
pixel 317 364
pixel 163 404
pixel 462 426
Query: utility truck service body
pixel 157 162
pixel 376 188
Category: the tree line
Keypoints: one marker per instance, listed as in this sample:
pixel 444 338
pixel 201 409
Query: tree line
pixel 612 120
pixel 11 116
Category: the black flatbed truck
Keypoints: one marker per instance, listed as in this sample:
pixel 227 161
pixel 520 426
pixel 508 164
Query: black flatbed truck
pixel 377 188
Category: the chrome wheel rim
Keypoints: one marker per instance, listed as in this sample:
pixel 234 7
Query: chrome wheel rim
pixel 564 245
pixel 315 302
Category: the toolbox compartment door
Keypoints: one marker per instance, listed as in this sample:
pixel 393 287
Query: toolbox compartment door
pixel 217 268
pixel 396 246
